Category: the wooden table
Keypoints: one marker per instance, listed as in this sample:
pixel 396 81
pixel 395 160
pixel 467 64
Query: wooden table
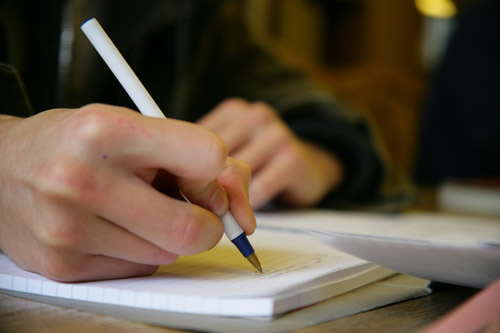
pixel 20 315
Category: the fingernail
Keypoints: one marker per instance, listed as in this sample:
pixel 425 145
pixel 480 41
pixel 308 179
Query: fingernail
pixel 219 203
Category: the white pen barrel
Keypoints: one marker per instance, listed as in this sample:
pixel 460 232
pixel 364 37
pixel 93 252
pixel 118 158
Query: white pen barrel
pixel 231 228
pixel 120 68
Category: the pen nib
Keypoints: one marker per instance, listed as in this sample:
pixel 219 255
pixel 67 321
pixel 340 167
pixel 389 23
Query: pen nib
pixel 254 261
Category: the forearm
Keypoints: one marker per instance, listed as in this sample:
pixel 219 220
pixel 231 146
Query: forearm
pixel 9 196
pixel 8 126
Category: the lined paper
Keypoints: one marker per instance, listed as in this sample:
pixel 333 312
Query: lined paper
pixel 298 270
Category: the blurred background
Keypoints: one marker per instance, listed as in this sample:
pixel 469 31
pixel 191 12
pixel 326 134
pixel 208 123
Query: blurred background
pixel 375 54
pixel 380 56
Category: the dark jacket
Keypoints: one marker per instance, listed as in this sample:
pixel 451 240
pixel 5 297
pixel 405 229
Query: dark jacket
pixel 190 55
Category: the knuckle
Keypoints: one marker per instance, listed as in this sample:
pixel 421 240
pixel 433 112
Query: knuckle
pixel 245 169
pixel 64 178
pixel 189 234
pixel 280 134
pixel 89 124
pixel 61 268
pixel 242 169
pixel 163 257
pixel 237 173
pixel 60 232
pixel 56 271
pixel 261 113
pixel 216 151
pixel 145 270
pixel 233 103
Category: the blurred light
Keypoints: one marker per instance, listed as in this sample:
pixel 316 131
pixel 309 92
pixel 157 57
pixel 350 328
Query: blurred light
pixel 436 8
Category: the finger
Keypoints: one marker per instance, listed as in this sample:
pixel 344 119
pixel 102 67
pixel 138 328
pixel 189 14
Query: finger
pixel 181 148
pixel 124 138
pixel 74 267
pixel 175 226
pixel 271 180
pixel 211 196
pixel 235 129
pixel 71 228
pixel 237 122
pixel 110 189
pixel 223 114
pixel 109 240
pixel 235 179
pixel 104 268
pixel 258 119
pixel 262 146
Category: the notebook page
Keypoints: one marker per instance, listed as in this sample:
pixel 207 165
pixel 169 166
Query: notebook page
pixel 219 281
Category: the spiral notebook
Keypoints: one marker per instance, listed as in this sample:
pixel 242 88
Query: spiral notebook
pixel 299 270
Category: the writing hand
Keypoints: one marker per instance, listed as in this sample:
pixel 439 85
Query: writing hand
pixel 78 201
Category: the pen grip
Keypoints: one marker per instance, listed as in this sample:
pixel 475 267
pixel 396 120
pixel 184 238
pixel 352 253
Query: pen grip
pixel 231 228
pixel 243 245
pixel 236 235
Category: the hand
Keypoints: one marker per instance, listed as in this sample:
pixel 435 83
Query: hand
pixel 78 201
pixel 294 171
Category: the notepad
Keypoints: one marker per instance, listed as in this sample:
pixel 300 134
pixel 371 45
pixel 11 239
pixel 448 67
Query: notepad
pixel 299 270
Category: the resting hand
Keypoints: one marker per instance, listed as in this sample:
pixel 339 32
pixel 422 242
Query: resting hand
pixel 283 166
pixel 77 198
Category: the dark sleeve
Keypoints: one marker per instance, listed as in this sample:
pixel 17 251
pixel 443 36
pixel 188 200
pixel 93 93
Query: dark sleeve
pixel 13 98
pixel 250 72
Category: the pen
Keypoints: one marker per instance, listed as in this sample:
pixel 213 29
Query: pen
pixel 148 107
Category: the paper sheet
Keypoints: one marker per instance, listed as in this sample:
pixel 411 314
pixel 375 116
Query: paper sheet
pixel 463 250
pixel 471 266
pixel 434 227
pixel 395 289
pixel 299 271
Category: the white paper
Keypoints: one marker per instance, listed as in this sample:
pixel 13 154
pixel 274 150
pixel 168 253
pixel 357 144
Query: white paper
pixel 467 265
pixel 391 290
pixel 298 271
pixel 463 250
